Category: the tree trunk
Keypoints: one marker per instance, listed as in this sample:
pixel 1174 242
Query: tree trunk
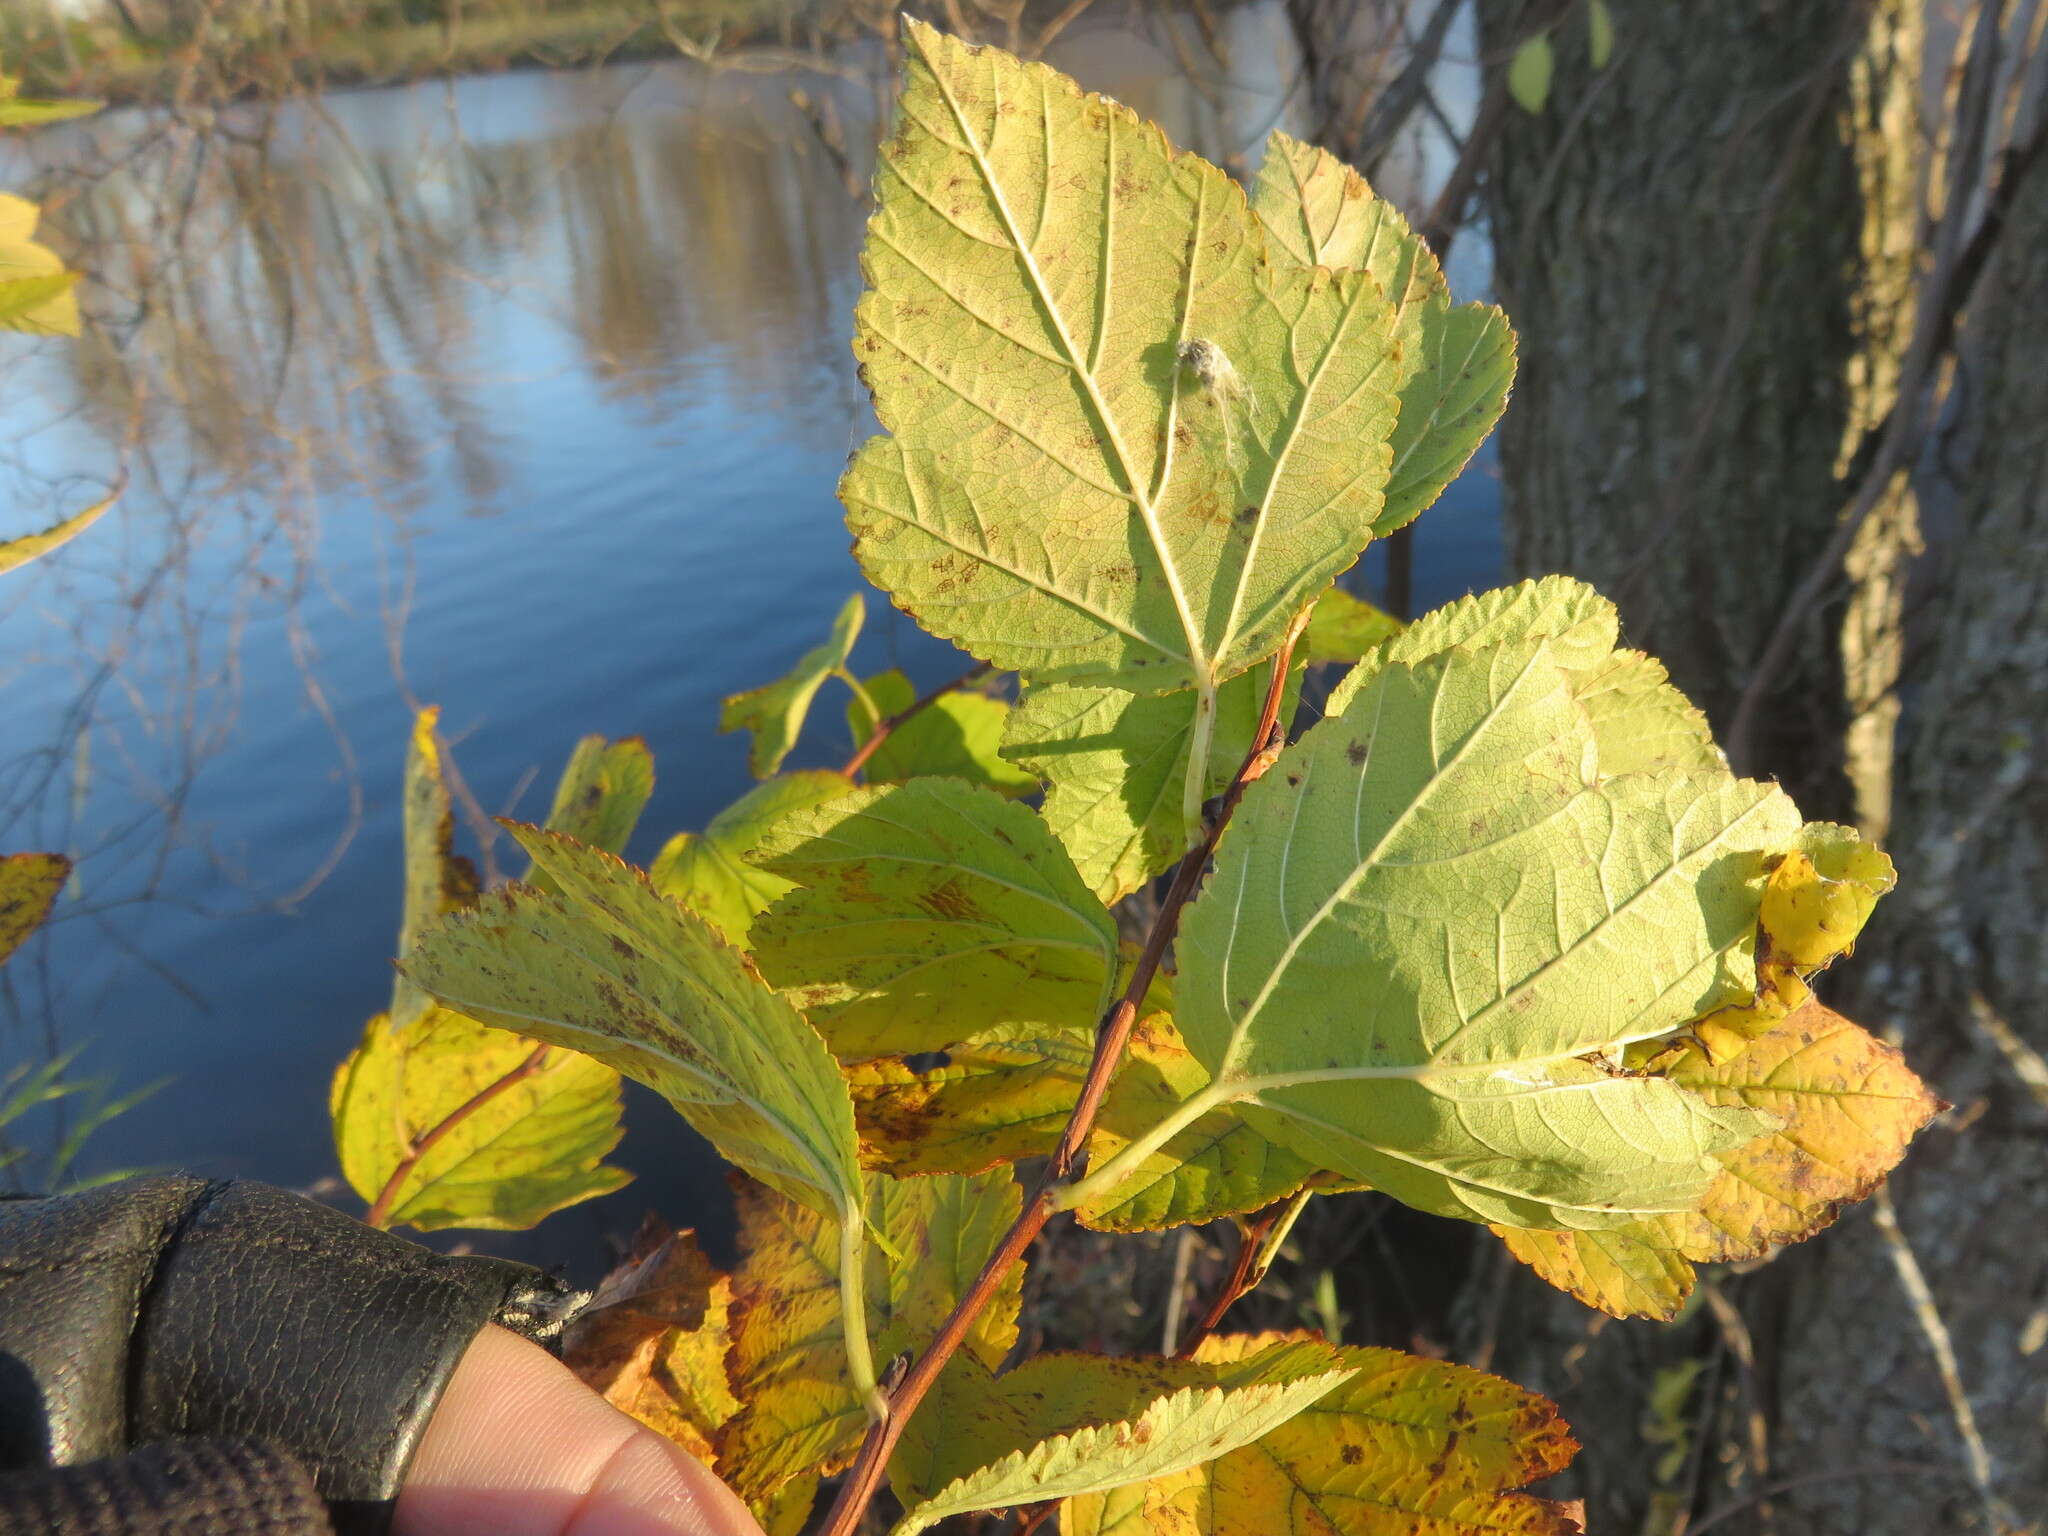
pixel 1707 248
pixel 1958 969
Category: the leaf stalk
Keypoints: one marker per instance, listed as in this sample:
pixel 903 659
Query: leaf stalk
pixel 864 1478
pixel 853 1311
pixel 379 1213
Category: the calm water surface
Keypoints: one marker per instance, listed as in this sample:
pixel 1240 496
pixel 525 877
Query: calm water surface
pixel 524 396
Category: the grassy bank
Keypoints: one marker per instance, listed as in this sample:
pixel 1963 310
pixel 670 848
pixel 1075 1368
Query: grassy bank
pixel 234 48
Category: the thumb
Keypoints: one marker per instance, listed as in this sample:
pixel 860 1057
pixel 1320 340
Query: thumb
pixel 519 1447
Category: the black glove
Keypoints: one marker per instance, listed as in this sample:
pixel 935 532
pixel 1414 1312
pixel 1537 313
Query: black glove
pixel 169 1309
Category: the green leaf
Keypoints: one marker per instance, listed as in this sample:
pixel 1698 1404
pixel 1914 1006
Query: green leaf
pixel 708 872
pixel 600 795
pixel 1114 763
pixel 801 1411
pixel 437 881
pixel 1405 1445
pixel 1061 494
pixel 1432 914
pixel 929 912
pixel 1344 628
pixel 775 711
pixel 1641 722
pixel 1529 73
pixel 33 546
pixel 1456 364
pixel 958 735
pixel 29 886
pixel 1599 33
pixel 614 969
pixel 1581 625
pixel 1062 1425
pixel 530 1150
pixel 35 290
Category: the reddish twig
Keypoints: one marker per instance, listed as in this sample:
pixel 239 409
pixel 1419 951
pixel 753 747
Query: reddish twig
pixel 379 1214
pixel 858 761
pixel 1068 1160
pixel 1244 1276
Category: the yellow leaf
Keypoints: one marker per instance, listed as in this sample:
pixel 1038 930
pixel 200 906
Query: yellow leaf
pixel 1059 491
pixel 992 1102
pixel 35 289
pixel 1846 1105
pixel 1405 1445
pixel 528 1150
pixel 1624 1271
pixel 29 886
pixel 1641 723
pixel 1727 1033
pixel 958 735
pixel 1219 1166
pixel 1529 74
pixel 1821 894
pixel 1454 363
pixel 600 796
pixel 32 546
pixel 930 912
pixel 788 1363
pixel 1343 628
pixel 1071 1425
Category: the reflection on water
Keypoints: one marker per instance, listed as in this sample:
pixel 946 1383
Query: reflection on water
pixel 525 395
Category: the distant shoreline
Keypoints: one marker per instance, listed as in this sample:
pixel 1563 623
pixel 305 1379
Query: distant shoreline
pixel 123 72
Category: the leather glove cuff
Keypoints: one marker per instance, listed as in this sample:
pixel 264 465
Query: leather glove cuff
pixel 165 1308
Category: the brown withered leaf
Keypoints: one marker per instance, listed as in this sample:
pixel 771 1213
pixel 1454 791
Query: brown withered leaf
pixel 663 1282
pixel 654 1339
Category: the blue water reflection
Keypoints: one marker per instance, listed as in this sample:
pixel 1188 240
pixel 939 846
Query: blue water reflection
pixel 525 396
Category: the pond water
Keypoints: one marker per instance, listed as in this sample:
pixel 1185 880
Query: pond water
pixel 524 395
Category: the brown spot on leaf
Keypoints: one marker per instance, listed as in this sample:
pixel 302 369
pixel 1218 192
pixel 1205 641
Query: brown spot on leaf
pixel 1356 751
pixel 950 901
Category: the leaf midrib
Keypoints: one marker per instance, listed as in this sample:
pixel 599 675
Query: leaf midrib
pixel 1199 663
pixel 1366 860
pixel 843 1197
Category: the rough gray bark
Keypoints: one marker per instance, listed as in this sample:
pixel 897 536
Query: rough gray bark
pixel 1956 966
pixel 1672 235
pixel 1707 252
